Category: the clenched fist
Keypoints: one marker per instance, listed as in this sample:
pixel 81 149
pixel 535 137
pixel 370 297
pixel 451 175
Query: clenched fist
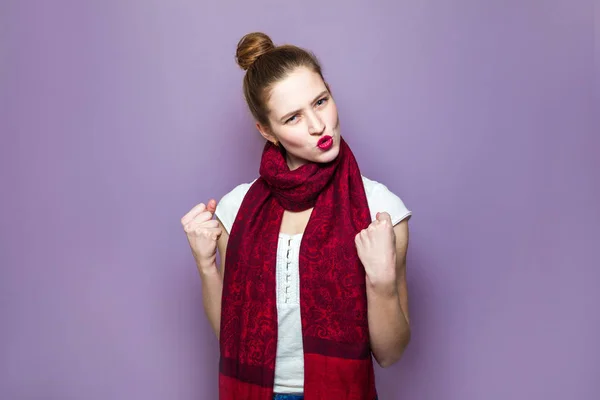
pixel 202 233
pixel 376 247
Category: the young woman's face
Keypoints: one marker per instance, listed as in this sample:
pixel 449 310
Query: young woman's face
pixel 304 119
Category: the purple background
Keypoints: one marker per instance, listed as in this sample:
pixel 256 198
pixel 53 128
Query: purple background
pixel 119 116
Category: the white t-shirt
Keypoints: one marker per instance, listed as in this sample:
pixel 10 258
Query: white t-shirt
pixel 289 363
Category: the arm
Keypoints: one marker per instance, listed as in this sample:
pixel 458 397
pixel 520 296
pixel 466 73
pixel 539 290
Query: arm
pixel 212 285
pixel 389 324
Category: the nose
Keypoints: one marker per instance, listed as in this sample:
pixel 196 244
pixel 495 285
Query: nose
pixel 316 126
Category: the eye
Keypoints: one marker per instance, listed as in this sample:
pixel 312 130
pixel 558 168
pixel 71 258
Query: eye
pixel 291 119
pixel 322 101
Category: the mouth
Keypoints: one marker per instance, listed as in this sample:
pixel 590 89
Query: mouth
pixel 325 142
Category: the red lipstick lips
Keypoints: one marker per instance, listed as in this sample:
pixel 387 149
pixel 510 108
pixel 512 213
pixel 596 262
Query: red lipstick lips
pixel 325 142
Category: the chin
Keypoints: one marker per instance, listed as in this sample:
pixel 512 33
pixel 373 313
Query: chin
pixel 329 155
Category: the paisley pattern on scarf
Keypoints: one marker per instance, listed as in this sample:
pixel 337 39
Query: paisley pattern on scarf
pixel 337 354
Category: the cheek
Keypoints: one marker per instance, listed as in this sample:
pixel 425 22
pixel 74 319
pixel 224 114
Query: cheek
pixel 332 117
pixel 293 138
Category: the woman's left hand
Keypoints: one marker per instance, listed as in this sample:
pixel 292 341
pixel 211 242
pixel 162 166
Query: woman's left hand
pixel 376 247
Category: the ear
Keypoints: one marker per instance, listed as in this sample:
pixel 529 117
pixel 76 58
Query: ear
pixel 265 132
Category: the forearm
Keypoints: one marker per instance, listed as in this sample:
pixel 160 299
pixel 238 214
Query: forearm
pixel 388 326
pixel 212 288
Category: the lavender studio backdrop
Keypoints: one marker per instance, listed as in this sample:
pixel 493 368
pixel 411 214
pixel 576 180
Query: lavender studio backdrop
pixel 118 116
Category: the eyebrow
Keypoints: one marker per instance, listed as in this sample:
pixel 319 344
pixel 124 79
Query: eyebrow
pixel 286 116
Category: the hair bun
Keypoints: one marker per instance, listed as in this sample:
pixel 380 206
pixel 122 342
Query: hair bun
pixel 252 46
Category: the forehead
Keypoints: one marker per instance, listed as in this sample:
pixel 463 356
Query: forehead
pixel 296 90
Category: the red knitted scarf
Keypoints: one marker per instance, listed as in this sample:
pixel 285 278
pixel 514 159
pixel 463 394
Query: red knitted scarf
pixel 333 302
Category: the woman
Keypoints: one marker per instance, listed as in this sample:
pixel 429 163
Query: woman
pixel 312 278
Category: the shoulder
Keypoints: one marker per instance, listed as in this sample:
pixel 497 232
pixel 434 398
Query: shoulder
pixel 382 199
pixel 229 204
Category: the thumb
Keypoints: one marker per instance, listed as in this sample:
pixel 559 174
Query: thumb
pixel 384 216
pixel 211 206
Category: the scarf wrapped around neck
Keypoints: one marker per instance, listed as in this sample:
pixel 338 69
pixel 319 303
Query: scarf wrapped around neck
pixel 333 302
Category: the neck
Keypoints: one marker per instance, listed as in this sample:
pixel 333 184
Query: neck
pixel 293 162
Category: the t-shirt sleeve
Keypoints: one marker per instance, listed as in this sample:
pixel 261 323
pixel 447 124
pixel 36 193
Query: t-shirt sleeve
pixel 228 206
pixel 381 199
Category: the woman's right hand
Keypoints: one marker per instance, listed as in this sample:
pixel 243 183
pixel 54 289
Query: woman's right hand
pixel 202 233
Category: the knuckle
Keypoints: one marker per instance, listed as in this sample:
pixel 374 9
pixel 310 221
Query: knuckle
pixel 205 216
